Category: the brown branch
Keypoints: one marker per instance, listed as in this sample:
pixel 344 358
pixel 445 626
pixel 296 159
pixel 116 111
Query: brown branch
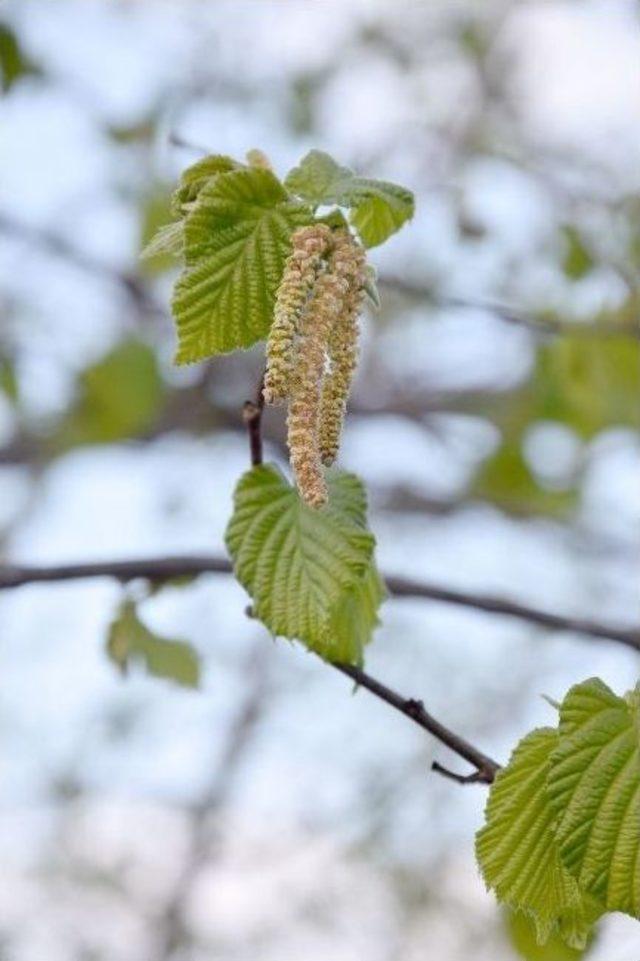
pixel 486 767
pixel 159 569
pixel 252 417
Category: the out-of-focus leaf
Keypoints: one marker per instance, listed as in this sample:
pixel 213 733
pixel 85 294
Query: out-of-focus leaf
pixel 118 397
pixel 8 379
pixel 371 286
pixel 506 479
pixel 161 238
pixel 14 63
pixel 135 133
pixel 588 383
pixel 522 935
pixel 577 261
pixel 130 642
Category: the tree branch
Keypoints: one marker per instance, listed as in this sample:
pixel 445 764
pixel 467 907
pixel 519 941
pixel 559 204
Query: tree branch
pixel 252 417
pixel 486 767
pixel 158 569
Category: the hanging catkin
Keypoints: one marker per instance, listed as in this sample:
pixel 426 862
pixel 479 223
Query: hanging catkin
pixel 349 262
pixel 309 244
pixel 316 323
pixel 312 348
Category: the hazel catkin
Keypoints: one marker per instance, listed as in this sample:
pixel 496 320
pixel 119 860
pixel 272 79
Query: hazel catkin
pixel 309 245
pixel 316 324
pixel 312 348
pixel 342 349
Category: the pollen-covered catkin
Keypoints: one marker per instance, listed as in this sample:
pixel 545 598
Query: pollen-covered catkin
pixel 309 245
pixel 316 323
pixel 349 261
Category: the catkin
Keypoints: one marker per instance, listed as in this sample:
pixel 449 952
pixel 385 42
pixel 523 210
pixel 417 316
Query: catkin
pixel 309 245
pixel 316 325
pixel 312 348
pixel 349 262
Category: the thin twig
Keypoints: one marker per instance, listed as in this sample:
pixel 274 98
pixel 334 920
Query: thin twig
pixel 159 569
pixel 252 417
pixel 485 766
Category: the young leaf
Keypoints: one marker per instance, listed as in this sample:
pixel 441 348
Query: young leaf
pixel 236 241
pixel 377 208
pixel 130 640
pixel 197 176
pixel 522 935
pixel 594 791
pixel 371 286
pixel 517 850
pixel 169 239
pixel 309 572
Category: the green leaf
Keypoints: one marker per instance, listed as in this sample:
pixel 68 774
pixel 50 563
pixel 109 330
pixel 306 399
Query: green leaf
pixel 594 791
pixel 14 64
pixel 578 261
pixel 196 177
pixel 160 240
pixel 517 850
pixel 377 208
pixel 237 238
pixel 506 479
pixel 522 935
pixel 168 240
pixel 8 379
pixel 310 573
pixel 590 382
pixel 371 286
pixel 130 641
pixel 118 397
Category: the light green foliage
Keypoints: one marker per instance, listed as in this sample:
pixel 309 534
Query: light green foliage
pixel 161 242
pixel 516 849
pixel 234 231
pixel 131 642
pixel 8 380
pixel 14 64
pixel 371 286
pixel 237 238
pixel 578 260
pixel 594 788
pixel 377 208
pixel 522 936
pixel 168 240
pixel 506 479
pixel 199 175
pixel 562 835
pixel 589 382
pixel 585 382
pixel 118 397
pixel 310 573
